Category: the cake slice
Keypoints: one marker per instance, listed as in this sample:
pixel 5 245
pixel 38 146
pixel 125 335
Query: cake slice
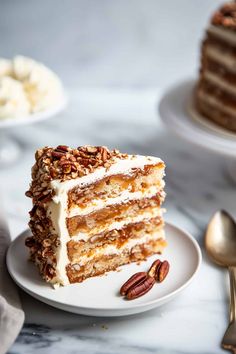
pixel 216 89
pixel 93 210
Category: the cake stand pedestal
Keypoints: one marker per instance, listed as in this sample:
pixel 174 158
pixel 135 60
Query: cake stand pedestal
pixel 9 149
pixel 177 112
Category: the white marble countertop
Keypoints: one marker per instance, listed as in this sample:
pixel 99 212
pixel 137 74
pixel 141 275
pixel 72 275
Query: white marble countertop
pixel 197 185
pixel 126 49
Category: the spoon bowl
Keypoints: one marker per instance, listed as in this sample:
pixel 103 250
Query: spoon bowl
pixel 220 240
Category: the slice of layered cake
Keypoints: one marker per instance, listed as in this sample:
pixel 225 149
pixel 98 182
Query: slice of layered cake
pixel 216 90
pixel 93 210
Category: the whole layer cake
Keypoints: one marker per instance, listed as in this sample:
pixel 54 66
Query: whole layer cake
pixel 93 210
pixel 216 89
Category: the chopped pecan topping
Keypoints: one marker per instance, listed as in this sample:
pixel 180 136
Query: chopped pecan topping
pixel 64 163
pixel 226 16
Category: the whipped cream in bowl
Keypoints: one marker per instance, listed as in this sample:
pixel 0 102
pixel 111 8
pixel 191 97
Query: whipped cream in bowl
pixel 29 91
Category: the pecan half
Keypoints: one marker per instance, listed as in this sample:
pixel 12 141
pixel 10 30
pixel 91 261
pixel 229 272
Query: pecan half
pixel 58 154
pixel 134 280
pixel 141 288
pixel 154 267
pixel 62 148
pixel 162 271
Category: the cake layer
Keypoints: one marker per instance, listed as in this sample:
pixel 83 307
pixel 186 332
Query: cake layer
pixel 226 59
pixel 114 238
pixel 223 34
pixel 223 74
pixel 107 218
pixel 217 113
pixel 220 83
pixel 208 90
pixel 138 184
pixel 98 266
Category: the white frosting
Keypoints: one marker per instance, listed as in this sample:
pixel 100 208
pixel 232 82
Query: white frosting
pixel 112 250
pixel 223 33
pixel 13 100
pixel 124 197
pixel 221 57
pixel 58 210
pixel 5 67
pixel 119 224
pixel 220 82
pixel 120 166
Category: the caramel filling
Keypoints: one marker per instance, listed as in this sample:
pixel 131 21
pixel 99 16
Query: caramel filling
pixel 99 220
pixel 117 238
pixel 212 90
pixel 220 71
pixel 98 266
pixel 221 44
pixel 113 186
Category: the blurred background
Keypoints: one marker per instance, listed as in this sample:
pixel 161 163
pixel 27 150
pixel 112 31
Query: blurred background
pixel 121 43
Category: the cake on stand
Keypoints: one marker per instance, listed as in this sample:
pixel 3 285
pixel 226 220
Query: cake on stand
pixel 178 114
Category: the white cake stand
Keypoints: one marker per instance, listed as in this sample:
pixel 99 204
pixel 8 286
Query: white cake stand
pixel 9 149
pixel 177 112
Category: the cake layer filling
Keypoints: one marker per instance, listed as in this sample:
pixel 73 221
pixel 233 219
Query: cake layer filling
pixel 223 34
pixel 116 247
pixel 115 237
pixel 221 56
pixel 100 265
pixel 219 43
pixel 222 73
pixel 217 81
pixel 113 189
pixel 217 115
pixel 217 102
pixel 107 218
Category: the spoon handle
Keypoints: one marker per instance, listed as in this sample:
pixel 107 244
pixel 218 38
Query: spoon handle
pixel 229 340
pixel 232 279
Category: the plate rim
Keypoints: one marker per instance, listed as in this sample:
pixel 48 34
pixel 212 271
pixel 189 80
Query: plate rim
pixel 208 132
pixel 38 116
pixel 147 305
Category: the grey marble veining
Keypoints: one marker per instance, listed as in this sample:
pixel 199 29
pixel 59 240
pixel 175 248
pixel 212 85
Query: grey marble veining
pixel 197 185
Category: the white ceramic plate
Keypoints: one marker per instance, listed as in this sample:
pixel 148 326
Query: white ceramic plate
pixel 35 117
pixel 99 296
pixel 179 115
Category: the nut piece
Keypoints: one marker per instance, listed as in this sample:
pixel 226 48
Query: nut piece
pixel 132 281
pixel 162 271
pixel 154 267
pixel 141 288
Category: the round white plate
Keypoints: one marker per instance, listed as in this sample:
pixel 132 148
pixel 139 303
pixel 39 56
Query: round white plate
pixel 179 115
pixel 35 117
pixel 99 296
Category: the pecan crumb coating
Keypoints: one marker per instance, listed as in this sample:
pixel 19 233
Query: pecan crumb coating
pixel 65 163
pixel 225 16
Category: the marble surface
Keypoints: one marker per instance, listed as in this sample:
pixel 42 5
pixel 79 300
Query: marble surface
pixel 197 185
pixel 116 58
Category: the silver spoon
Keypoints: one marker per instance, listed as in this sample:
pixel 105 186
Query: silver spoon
pixel 220 243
